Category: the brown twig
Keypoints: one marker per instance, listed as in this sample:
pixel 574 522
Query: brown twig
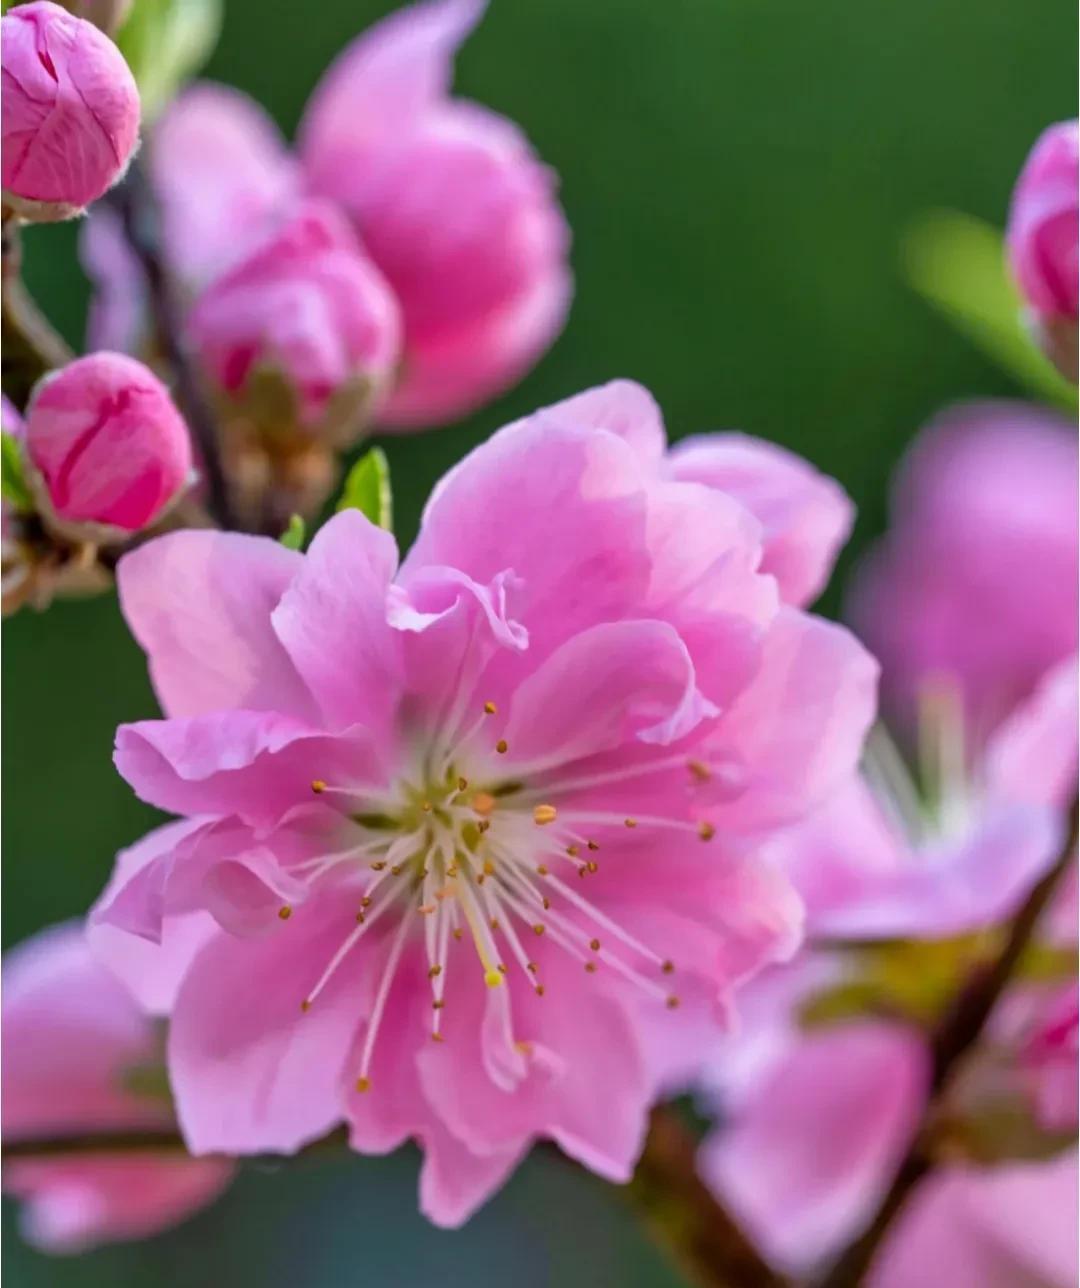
pixel 683 1214
pixel 955 1037
pixel 29 345
pixel 134 202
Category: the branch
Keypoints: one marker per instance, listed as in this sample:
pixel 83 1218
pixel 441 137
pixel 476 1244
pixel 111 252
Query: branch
pixel 148 1140
pixel 685 1216
pixel 28 342
pixel 133 200
pixel 955 1037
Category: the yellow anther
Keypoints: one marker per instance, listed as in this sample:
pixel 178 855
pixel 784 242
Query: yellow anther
pixel 284 912
pixel 434 971
pixel 630 822
pixel 592 866
pixel 594 944
pixel 483 803
pixel 378 866
pixel 583 871
pixel 489 868
pixel 706 831
pixel 462 783
pixel 438 1004
pixel 591 967
pixel 539 990
pixel 494 923
pixel 459 934
pixel 668 967
pixel 502 968
pixel 365 902
pixel 672 1002
pixel 546 902
pixel 502 746
pixel 538 929
pixel 318 786
pixel 532 966
pixel 573 850
pixel 426 806
pixel 592 845
pixel 428 908
pixel 437 1037
pixel 524 1047
pixel 363 1084
pixel 700 770
pixel 544 814
pixel 493 978
pixel 360 918
pixel 305 1005
pixel 397 869
pixel 541 871
pixel 483 825
pixel 490 708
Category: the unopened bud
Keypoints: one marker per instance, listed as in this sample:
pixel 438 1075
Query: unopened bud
pixel 305 305
pixel 70 112
pixel 106 443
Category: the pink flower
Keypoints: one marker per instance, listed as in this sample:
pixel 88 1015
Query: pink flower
pixel 74 1045
pixel 1043 225
pixel 451 203
pixel 307 303
pixel 70 112
pixel 108 444
pixel 509 795
pixel 983 1228
pixel 974 588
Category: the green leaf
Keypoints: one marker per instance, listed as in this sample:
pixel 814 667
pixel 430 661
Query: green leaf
pixel 13 483
pixel 295 534
pixel 367 489
pixel 165 42
pixel 957 263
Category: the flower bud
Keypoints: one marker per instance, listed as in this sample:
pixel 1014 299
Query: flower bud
pixel 70 112
pixel 1042 242
pixel 106 443
pixel 305 306
pixel 450 202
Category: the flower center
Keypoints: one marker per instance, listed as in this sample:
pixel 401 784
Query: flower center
pixel 493 861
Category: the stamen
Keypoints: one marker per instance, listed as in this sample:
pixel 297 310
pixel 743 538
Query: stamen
pixel 544 814
pixel 363 1082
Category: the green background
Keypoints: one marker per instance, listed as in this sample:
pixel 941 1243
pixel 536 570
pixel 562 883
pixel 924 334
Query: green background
pixel 738 175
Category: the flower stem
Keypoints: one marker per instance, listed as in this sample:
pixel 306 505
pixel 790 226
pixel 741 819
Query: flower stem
pixel 685 1217
pixel 28 342
pixel 956 1036
pixel 134 202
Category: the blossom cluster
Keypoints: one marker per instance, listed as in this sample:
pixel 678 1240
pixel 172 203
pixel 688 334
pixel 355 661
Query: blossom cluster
pixel 575 804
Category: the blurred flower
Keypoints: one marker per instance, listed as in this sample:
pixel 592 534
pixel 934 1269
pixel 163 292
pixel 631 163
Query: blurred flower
pixel 974 589
pixel 1044 227
pixel 70 112
pixel 79 1058
pixel 108 445
pixel 304 304
pixel 819 1094
pixel 971 1228
pixel 451 203
pixel 509 796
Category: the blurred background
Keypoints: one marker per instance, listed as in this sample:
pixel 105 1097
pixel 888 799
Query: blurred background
pixel 739 175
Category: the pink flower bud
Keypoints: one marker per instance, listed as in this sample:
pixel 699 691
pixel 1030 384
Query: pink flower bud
pixel 1042 241
pixel 107 442
pixel 452 204
pixel 70 112
pixel 307 304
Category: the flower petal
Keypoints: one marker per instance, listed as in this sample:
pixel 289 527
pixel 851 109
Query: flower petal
pixel 199 603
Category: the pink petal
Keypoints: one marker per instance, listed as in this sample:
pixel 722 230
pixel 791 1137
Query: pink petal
pixel 385 80
pixel 605 687
pixel 806 515
pixel 803 1164
pixel 784 765
pixel 622 407
pixel 333 623
pixel 1032 756
pixel 252 1072
pixel 199 603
